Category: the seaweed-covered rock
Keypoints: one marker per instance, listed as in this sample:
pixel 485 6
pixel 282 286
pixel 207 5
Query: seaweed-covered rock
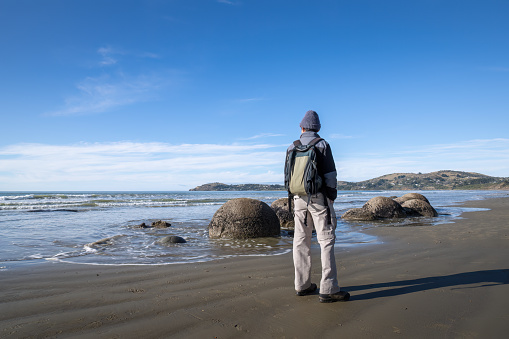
pixel 358 214
pixel 244 218
pixel 155 224
pixel 418 207
pixel 384 207
pixel 280 207
pixel 160 224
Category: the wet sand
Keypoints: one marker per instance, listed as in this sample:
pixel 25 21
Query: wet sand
pixel 445 281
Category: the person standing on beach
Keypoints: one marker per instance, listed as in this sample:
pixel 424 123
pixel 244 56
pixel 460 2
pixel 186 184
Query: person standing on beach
pixel 320 209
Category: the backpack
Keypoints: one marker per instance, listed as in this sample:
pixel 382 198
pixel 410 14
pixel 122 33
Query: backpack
pixel 302 176
pixel 301 170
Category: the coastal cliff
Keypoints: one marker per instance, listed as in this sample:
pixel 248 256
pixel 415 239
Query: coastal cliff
pixel 440 180
pixel 217 186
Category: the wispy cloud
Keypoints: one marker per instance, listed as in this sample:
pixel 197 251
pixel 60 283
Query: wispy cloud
pixel 226 2
pixel 249 100
pixel 340 136
pixel 96 95
pixel 486 156
pixel 162 166
pixel 107 56
pixel 149 55
pixel 110 56
pixel 128 165
pixel 263 135
pixel 113 88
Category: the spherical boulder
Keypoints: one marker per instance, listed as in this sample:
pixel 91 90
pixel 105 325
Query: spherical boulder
pixel 418 207
pixel 285 216
pixel 358 214
pixel 244 218
pixel 410 196
pixel 384 207
pixel 171 239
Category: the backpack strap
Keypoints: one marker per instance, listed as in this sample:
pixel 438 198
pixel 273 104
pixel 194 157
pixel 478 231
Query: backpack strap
pixel 311 143
pixel 315 141
pixel 290 200
pixel 326 203
pixel 290 196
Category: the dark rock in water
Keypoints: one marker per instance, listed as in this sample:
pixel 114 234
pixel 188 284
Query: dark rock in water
pixel 171 239
pixel 280 207
pixel 160 224
pixel 57 210
pixel 358 214
pixel 155 224
pixel 383 208
pixel 410 196
pixel 244 218
pixel 287 233
pixel 418 207
pixel 104 241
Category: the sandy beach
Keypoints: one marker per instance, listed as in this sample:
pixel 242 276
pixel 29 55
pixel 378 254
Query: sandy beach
pixel 445 281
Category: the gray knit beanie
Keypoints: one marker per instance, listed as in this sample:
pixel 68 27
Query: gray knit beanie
pixel 311 121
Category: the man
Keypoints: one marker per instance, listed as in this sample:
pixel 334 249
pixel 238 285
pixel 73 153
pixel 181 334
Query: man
pixel 319 208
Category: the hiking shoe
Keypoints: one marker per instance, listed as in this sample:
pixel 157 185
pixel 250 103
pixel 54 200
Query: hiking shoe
pixel 329 298
pixel 308 290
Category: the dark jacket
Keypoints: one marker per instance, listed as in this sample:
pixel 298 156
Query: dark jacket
pixel 326 165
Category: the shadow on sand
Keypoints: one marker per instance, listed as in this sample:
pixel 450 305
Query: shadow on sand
pixel 455 281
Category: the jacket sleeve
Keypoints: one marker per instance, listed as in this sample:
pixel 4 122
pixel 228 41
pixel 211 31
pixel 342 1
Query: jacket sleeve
pixel 329 173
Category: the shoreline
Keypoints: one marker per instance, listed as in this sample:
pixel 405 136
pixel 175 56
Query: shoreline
pixel 65 235
pixel 449 280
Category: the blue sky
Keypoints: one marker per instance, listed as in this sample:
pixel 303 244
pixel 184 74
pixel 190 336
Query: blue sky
pixel 168 95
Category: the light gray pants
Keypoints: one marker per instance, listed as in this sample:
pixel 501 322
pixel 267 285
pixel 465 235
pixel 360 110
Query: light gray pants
pixel 325 233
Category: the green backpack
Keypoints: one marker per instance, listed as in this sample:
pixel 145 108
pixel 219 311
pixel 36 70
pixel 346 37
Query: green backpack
pixel 301 170
pixel 302 176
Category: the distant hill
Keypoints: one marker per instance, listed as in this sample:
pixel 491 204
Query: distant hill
pixel 217 186
pixel 441 180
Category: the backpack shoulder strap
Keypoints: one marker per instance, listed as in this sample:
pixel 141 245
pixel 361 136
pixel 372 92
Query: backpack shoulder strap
pixel 311 143
pixel 315 141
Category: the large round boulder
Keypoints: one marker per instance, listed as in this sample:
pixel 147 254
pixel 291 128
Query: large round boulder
pixel 410 196
pixel 285 216
pixel 244 218
pixel 358 214
pixel 419 207
pixel 384 207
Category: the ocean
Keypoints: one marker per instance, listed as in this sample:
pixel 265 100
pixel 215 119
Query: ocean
pixel 38 227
